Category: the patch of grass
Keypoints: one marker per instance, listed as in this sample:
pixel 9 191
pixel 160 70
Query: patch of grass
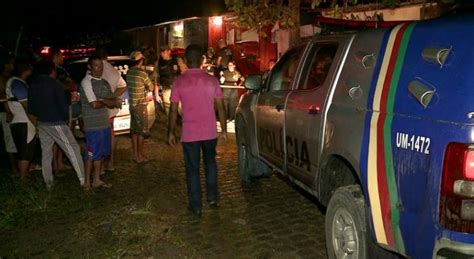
pixel 19 200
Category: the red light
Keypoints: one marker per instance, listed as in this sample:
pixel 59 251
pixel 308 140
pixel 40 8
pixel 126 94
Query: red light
pixel 454 166
pixel 469 165
pixel 456 195
pixel 45 50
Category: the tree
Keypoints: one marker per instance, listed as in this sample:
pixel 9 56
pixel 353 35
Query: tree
pixel 260 14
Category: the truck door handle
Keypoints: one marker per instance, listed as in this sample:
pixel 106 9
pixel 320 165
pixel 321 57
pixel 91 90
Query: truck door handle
pixel 314 109
pixel 279 107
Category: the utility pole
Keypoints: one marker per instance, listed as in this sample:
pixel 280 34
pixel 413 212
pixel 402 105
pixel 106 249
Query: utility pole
pixel 18 41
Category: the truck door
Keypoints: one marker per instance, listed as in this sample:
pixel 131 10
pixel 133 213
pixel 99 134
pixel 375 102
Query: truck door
pixel 271 104
pixel 305 114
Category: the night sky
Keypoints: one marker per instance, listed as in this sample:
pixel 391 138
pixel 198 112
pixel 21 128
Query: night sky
pixel 58 18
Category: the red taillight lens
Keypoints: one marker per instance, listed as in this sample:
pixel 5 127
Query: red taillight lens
pixel 469 165
pixel 457 188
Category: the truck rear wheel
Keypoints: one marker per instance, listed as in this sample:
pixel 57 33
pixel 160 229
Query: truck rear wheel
pixel 346 224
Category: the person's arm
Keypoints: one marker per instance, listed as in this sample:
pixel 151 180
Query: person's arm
pixel 19 92
pixel 156 92
pixel 222 119
pixel 148 83
pixel 60 99
pixel 219 104
pixel 121 86
pixel 172 123
pixel 32 101
pixel 175 98
pixel 111 102
pixel 241 80
pixel 30 116
pixel 120 91
pixel 93 101
pixel 8 111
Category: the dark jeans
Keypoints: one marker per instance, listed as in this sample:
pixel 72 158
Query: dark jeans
pixel 230 102
pixel 192 159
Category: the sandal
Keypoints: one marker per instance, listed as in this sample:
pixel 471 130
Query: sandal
pixel 103 185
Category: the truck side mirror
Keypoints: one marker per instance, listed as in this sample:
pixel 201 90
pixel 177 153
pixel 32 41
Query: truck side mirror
pixel 253 82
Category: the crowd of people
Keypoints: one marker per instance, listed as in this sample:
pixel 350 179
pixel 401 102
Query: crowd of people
pixel 40 106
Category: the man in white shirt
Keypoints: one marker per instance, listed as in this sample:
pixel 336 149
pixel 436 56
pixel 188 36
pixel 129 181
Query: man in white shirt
pixel 22 127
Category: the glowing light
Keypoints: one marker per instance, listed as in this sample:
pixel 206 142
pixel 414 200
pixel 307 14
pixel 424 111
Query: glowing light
pixel 45 50
pixel 217 20
pixel 179 27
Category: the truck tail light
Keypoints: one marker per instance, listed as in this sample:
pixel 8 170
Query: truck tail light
pixel 457 188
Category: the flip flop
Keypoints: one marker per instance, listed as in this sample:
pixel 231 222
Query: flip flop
pixel 107 171
pixel 103 185
pixel 146 160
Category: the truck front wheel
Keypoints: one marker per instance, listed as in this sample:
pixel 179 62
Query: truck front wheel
pixel 346 224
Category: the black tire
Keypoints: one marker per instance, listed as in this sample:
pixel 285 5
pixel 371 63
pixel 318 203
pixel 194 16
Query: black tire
pixel 245 159
pixel 249 166
pixel 347 209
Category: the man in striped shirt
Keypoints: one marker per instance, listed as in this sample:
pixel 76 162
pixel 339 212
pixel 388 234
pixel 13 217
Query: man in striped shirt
pixel 139 85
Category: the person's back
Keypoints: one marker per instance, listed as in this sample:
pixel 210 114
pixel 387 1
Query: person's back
pixel 138 83
pixel 168 68
pixel 47 100
pixel 197 91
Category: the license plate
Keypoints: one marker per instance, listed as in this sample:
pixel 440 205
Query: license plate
pixel 122 123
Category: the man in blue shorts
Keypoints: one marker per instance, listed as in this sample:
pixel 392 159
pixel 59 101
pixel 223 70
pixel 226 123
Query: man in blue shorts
pixel 96 98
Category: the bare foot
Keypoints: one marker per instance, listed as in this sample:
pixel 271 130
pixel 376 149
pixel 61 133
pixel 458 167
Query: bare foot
pixel 87 188
pixel 144 159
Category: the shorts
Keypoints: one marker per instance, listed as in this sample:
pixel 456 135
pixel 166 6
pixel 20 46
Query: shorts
pixel 139 120
pixel 25 151
pixel 99 144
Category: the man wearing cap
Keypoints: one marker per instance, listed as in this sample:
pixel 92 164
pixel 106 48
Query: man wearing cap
pixel 139 84
pixel 168 70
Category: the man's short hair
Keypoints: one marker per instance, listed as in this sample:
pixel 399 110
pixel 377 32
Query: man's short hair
pixel 93 57
pixel 101 52
pixel 193 55
pixel 21 65
pixel 45 67
pixel 164 47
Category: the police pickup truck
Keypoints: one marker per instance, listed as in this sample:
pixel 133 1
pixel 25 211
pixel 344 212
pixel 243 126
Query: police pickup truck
pixel 379 126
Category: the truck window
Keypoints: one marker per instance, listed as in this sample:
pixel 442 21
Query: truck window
pixel 322 59
pixel 285 70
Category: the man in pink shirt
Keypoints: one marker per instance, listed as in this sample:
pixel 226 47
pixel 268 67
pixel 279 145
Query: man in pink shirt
pixel 198 92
